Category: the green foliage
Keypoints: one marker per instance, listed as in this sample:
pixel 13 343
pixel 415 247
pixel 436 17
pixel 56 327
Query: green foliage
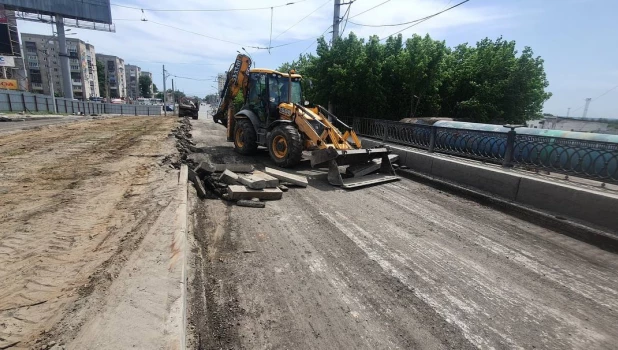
pixel 101 78
pixel 155 89
pixel 177 94
pixel 238 102
pixel 422 77
pixel 211 99
pixel 144 86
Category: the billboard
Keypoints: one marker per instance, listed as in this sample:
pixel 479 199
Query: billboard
pixel 7 61
pixel 8 84
pixel 98 11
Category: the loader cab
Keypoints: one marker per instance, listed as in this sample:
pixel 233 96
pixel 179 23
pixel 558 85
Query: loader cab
pixel 267 89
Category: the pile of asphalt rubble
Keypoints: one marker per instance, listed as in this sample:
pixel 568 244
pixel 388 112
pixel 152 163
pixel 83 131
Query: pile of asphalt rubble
pixel 183 136
pixel 239 183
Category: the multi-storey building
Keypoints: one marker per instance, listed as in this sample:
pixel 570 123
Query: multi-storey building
pixel 9 46
pixel 221 81
pixel 149 75
pixel 43 65
pixel 132 78
pixel 114 80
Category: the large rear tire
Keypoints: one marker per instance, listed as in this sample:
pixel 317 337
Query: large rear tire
pixel 245 138
pixel 285 146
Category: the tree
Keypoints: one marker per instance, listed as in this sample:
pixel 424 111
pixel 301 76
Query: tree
pixel 144 86
pixel 102 80
pixel 177 94
pixel 154 88
pixel 422 77
pixel 211 99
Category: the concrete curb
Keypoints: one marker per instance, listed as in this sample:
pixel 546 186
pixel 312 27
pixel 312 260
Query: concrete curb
pixel 595 208
pixel 596 237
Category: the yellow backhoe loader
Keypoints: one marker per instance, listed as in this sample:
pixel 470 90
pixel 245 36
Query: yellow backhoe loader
pixel 273 116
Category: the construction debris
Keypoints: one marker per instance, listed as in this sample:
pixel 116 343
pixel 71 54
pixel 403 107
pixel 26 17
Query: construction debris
pixel 236 192
pixel 366 169
pixel 283 188
pixel 252 181
pixel 250 204
pixel 229 177
pixel 363 169
pixel 199 186
pixel 271 182
pixel 217 168
pixel 291 178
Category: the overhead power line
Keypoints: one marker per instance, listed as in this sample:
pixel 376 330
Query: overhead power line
pixel 210 10
pixel 346 15
pixel 421 20
pixel 302 19
pixel 313 43
pixel 596 98
pixel 179 77
pixel 378 5
pixel 207 36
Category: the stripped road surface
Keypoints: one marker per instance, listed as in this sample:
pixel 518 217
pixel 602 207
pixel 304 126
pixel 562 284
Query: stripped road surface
pixel 399 265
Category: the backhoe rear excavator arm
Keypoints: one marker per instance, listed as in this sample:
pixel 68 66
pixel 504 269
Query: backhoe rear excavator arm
pixel 237 80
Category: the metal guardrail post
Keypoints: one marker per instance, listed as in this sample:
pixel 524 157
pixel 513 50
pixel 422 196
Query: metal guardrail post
pixel 432 138
pixel 507 162
pixel 385 135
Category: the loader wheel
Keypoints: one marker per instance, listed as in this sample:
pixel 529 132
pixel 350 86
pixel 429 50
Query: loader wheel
pixel 245 139
pixel 285 146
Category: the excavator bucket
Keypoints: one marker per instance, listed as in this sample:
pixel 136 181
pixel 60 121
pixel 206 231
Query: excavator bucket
pixel 361 164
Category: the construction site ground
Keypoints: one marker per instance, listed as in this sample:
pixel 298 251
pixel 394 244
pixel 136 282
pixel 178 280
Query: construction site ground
pixel 88 213
pixel 87 209
pixel 395 266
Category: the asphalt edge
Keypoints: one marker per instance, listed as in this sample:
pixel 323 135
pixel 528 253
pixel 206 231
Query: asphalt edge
pixel 597 237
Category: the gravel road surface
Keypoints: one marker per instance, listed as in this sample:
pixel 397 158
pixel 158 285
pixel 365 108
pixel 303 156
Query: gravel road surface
pixel 394 266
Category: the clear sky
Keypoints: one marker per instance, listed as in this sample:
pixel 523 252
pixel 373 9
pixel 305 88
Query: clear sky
pixel 578 39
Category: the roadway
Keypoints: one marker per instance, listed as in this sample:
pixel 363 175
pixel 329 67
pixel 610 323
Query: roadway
pixel 399 265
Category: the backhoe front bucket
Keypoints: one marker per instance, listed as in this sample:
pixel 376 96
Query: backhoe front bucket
pixel 363 161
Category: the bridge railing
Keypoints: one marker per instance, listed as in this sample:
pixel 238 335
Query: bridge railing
pixel 583 158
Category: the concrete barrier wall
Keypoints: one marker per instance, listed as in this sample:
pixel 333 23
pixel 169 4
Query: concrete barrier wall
pixel 597 208
pixel 18 101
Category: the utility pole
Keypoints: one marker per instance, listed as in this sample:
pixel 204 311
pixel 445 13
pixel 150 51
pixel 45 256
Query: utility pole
pixel 164 93
pixel 586 108
pixel 67 87
pixel 568 111
pixel 173 99
pixel 336 20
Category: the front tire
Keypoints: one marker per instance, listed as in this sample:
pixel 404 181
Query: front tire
pixel 245 138
pixel 285 146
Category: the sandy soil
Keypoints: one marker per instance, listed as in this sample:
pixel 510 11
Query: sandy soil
pixel 76 201
pixel 395 266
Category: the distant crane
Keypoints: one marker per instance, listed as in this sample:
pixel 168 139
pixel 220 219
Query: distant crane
pixel 586 107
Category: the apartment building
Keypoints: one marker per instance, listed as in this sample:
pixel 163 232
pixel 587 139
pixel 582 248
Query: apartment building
pixel 149 75
pixel 43 65
pixel 114 79
pixel 221 82
pixel 132 78
pixel 10 47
